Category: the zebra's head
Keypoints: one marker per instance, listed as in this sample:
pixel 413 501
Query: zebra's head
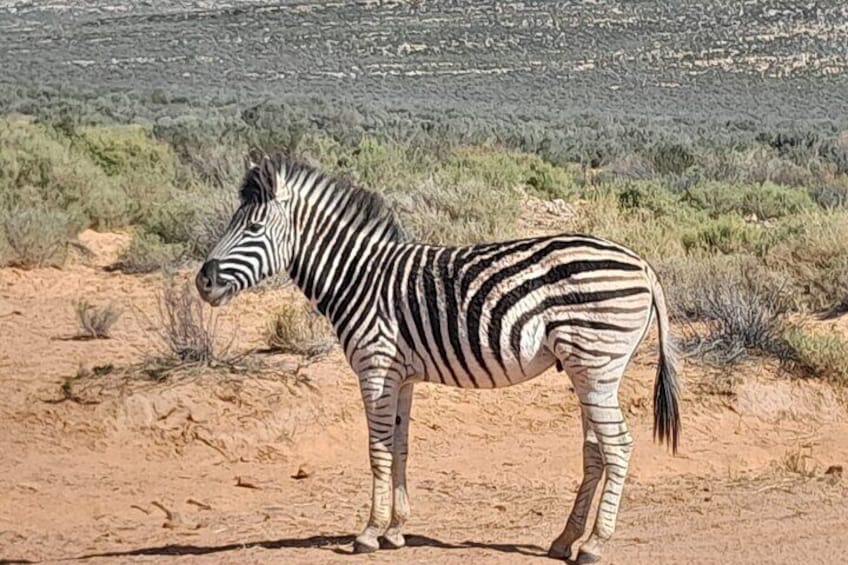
pixel 253 246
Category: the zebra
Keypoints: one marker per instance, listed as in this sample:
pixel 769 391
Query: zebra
pixel 481 316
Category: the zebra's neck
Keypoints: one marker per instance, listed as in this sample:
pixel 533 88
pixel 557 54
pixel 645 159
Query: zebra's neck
pixel 339 237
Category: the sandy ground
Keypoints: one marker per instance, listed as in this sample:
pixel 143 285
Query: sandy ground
pixel 263 467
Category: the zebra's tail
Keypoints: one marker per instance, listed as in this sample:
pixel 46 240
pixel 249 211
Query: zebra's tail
pixel 666 403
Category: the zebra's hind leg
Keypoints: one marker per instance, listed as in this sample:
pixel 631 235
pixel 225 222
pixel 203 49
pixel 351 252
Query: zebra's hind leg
pixel 606 451
pixel 593 470
pixel 599 402
pixel 400 508
pixel 379 389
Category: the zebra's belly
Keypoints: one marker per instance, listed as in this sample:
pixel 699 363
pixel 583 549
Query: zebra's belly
pixel 468 367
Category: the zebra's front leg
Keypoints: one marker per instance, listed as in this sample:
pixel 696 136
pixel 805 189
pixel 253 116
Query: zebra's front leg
pixel 400 508
pixel 379 393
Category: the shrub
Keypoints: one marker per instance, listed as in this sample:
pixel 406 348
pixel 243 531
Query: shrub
pixel 811 250
pixel 648 196
pixel 296 329
pixel 502 169
pixel 633 167
pixel 214 212
pixel 35 237
pixel 836 152
pixel 174 220
pixel 147 253
pixel 454 214
pixel 651 236
pixel 742 313
pixel 188 330
pixel 822 355
pixel 126 151
pixel 385 167
pixel 40 168
pixel 671 159
pixel 830 192
pixel 96 321
pixel 765 200
pixel 685 278
pixel 725 234
pixel 218 165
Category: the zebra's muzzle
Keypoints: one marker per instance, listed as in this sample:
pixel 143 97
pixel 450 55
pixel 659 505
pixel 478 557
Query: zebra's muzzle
pixel 210 286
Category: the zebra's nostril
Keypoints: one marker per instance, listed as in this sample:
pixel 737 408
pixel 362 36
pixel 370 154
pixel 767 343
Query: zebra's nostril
pixel 209 271
pixel 207 277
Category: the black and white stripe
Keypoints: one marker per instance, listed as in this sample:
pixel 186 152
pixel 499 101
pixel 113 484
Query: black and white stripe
pixel 481 316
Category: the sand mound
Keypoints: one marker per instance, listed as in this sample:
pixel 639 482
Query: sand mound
pixel 242 417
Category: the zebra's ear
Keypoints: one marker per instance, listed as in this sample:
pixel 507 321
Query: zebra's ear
pixel 270 174
pixel 249 163
pixel 281 164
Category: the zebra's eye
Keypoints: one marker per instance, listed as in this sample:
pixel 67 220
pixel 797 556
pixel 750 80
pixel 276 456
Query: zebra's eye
pixel 254 227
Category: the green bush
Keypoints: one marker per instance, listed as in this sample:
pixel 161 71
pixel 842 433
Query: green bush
pixel 823 355
pixel 450 213
pixel 40 168
pixel 502 169
pixel 671 159
pixel 147 253
pixel 650 196
pixel 126 151
pixel 103 177
pixel 638 228
pixel 143 170
pixel 765 200
pixel 35 237
pixel 811 250
pixel 725 234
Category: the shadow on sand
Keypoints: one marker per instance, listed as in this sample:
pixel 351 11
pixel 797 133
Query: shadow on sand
pixel 330 543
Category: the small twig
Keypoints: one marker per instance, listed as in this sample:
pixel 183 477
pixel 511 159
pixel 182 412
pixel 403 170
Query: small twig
pixel 213 446
pixel 240 482
pixel 199 504
pixel 168 514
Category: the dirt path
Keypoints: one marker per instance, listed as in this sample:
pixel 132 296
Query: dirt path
pixel 204 466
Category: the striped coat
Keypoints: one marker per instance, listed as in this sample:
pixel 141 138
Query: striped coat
pixel 482 316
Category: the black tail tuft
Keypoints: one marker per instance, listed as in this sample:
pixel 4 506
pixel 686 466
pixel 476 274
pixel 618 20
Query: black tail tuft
pixel 666 404
pixel 666 407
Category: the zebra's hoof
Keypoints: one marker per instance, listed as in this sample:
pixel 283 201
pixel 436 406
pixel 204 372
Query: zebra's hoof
pixel 392 541
pixel 585 558
pixel 561 553
pixel 361 547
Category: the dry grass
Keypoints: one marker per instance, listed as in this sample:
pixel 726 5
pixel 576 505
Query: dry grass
pixel 188 330
pixel 95 322
pixel 799 461
pixel 296 329
pixel 738 312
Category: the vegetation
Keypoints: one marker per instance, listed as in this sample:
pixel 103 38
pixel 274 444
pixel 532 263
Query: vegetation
pixel 95 322
pixel 188 330
pixel 731 310
pixel 297 329
pixel 147 253
pixel 745 227
pixel 821 355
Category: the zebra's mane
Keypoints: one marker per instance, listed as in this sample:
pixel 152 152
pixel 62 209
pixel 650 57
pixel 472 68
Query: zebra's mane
pixel 260 185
